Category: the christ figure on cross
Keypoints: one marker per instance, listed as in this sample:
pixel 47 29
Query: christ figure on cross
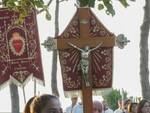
pixel 84 62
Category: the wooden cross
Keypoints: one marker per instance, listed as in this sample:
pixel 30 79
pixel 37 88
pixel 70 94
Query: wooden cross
pixel 81 42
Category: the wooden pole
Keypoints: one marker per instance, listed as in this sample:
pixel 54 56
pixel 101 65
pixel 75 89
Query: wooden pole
pixel 84 16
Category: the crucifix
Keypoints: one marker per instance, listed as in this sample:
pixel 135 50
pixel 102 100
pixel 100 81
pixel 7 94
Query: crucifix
pixel 86 43
pixel 84 62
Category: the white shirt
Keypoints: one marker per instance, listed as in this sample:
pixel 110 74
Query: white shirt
pixel 78 108
pixel 108 110
pixel 118 111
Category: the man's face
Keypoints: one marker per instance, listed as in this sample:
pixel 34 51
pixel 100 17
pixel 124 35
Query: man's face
pixel 74 100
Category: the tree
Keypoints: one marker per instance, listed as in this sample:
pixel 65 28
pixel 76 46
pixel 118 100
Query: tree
pixel 144 52
pixel 102 4
pixel 54 63
pixel 14 98
pixel 113 97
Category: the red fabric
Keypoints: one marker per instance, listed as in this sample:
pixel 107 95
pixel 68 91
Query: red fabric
pixel 19 48
pixel 101 58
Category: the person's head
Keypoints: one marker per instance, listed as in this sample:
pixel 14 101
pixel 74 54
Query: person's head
pixel 143 106
pixel 120 103
pixel 46 104
pixel 86 48
pixel 105 104
pixel 97 107
pixel 27 106
pixel 132 107
pixel 74 100
pixel 126 103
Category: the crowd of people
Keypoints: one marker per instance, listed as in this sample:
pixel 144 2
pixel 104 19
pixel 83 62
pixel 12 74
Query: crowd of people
pixel 47 103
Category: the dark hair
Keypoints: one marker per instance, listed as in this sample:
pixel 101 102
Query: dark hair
pixel 27 106
pixel 140 105
pixel 127 101
pixel 131 105
pixel 40 102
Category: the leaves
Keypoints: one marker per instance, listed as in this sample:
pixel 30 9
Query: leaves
pixel 100 6
pixel 39 3
pixel 23 7
pixel 113 97
pixel 48 16
pixel 89 3
pixel 110 9
pixel 124 3
pixel 108 6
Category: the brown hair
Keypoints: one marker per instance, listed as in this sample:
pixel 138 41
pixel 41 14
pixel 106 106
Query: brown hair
pixel 27 106
pixel 140 105
pixel 131 105
pixel 40 102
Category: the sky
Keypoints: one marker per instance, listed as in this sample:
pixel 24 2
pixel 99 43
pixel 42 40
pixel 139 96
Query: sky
pixel 126 61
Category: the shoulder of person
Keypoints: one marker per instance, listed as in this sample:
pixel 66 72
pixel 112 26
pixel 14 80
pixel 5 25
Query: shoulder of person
pixel 109 110
pixel 69 107
pixel 78 108
pixel 117 110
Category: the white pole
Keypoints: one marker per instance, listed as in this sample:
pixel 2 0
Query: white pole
pixel 24 95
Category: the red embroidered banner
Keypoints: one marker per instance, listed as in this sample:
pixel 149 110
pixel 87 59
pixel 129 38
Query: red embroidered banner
pixel 101 58
pixel 19 48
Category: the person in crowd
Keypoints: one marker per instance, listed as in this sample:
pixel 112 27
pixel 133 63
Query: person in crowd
pixel 126 104
pixel 132 107
pixel 143 106
pixel 75 107
pixel 27 106
pixel 120 107
pixel 106 108
pixel 97 107
pixel 46 103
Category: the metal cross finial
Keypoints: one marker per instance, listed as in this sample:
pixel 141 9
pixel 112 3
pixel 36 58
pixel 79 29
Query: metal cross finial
pixel 122 41
pixel 50 44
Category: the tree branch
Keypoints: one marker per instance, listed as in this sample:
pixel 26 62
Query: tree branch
pixel 48 4
pixel 62 1
pixel 1 3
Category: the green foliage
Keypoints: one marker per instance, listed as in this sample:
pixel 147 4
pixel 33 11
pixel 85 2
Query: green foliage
pixel 106 5
pixel 23 7
pixel 109 7
pixel 100 6
pixel 113 97
pixel 124 3
pixel 89 3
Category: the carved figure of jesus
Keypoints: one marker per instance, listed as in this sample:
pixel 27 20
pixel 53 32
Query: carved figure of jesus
pixel 84 62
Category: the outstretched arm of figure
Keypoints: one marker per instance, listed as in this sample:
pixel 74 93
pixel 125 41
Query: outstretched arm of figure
pixel 75 47
pixel 96 47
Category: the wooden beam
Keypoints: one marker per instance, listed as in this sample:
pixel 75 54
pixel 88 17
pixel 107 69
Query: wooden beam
pixel 62 43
